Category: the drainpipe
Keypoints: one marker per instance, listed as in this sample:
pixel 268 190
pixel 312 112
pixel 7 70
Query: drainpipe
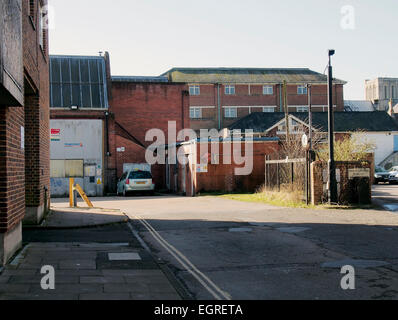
pixel 219 106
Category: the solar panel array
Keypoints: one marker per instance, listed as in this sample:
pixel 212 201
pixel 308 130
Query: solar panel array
pixel 78 81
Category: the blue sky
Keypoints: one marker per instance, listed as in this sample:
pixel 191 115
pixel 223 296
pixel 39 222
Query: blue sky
pixel 148 37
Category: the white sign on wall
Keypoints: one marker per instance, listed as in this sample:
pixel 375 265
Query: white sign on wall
pixel 359 173
pixel 202 168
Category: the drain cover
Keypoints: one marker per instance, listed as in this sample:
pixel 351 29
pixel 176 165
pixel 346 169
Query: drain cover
pixel 240 230
pixel 292 229
pixel 362 264
pixel 125 256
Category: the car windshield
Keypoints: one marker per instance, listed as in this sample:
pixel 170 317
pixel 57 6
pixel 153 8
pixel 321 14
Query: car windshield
pixel 394 169
pixel 378 169
pixel 140 175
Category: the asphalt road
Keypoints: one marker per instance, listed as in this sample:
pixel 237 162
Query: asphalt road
pixel 386 195
pixel 224 249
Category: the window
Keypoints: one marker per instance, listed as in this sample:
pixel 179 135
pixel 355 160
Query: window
pixel 231 112
pixel 140 175
pixel 268 90
pixel 385 92
pixel 195 113
pixel 392 92
pixel 302 90
pixel 268 109
pixel 32 9
pixel 194 90
pixel 302 109
pixel 42 28
pixel 230 89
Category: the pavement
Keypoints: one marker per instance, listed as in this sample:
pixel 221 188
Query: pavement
pixel 386 196
pixel 94 255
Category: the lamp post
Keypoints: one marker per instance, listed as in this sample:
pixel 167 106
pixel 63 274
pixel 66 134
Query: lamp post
pixel 332 183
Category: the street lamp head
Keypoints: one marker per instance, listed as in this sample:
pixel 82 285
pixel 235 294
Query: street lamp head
pixel 331 52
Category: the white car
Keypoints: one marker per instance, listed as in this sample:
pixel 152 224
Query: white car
pixel 393 175
pixel 135 180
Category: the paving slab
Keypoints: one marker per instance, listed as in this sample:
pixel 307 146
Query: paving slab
pixel 79 276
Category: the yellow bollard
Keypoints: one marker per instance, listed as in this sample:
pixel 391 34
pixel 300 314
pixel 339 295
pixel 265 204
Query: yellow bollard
pixel 71 188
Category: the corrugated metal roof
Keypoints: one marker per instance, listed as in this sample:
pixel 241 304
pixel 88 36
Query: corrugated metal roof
pixel 358 105
pixel 78 81
pixel 246 75
pixel 140 79
pixel 377 121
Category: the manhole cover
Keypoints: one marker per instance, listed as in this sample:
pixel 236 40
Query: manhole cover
pixel 125 256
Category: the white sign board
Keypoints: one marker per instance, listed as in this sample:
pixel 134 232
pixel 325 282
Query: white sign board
pixel 358 173
pixel 202 168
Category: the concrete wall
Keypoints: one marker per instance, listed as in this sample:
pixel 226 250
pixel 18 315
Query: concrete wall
pixel 78 140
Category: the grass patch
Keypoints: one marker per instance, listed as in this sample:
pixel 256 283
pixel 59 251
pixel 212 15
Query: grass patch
pixel 290 197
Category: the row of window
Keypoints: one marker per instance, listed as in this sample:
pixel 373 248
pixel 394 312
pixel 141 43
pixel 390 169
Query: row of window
pixel 230 90
pixel 42 15
pixel 232 112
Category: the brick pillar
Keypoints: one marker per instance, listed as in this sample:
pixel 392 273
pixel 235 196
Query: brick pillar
pixel 12 181
pixel 316 183
pixel 37 150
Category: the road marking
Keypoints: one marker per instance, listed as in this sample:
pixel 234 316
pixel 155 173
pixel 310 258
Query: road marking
pixel 215 291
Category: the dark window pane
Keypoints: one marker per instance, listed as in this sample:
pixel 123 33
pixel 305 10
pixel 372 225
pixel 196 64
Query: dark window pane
pixel 65 71
pixel 55 71
pixel 94 71
pixel 140 175
pixel 66 93
pixel 84 71
pixel 56 94
pixel 75 70
pixel 76 95
pixel 96 97
pixel 86 96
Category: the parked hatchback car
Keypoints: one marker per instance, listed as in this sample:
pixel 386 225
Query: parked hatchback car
pixel 393 177
pixel 381 175
pixel 135 181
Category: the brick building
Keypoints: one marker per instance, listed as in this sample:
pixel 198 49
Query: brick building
pixel 139 104
pixel 79 91
pixel 24 120
pixel 221 96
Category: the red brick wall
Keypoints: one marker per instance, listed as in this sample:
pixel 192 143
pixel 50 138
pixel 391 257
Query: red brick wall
pixel 12 168
pixel 139 107
pixel 37 114
pixel 222 177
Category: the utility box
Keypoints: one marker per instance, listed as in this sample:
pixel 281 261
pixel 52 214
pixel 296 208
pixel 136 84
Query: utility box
pixel 11 54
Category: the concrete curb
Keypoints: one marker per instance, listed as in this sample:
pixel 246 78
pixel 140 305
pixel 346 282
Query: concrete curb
pixel 42 226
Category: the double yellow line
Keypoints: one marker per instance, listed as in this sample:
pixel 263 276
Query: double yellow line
pixel 209 285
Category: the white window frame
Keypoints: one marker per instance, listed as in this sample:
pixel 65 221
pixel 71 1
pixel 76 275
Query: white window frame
pixel 194 90
pixel 231 112
pixel 302 89
pixel 268 109
pixel 302 109
pixel 195 113
pixel 268 90
pixel 230 89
